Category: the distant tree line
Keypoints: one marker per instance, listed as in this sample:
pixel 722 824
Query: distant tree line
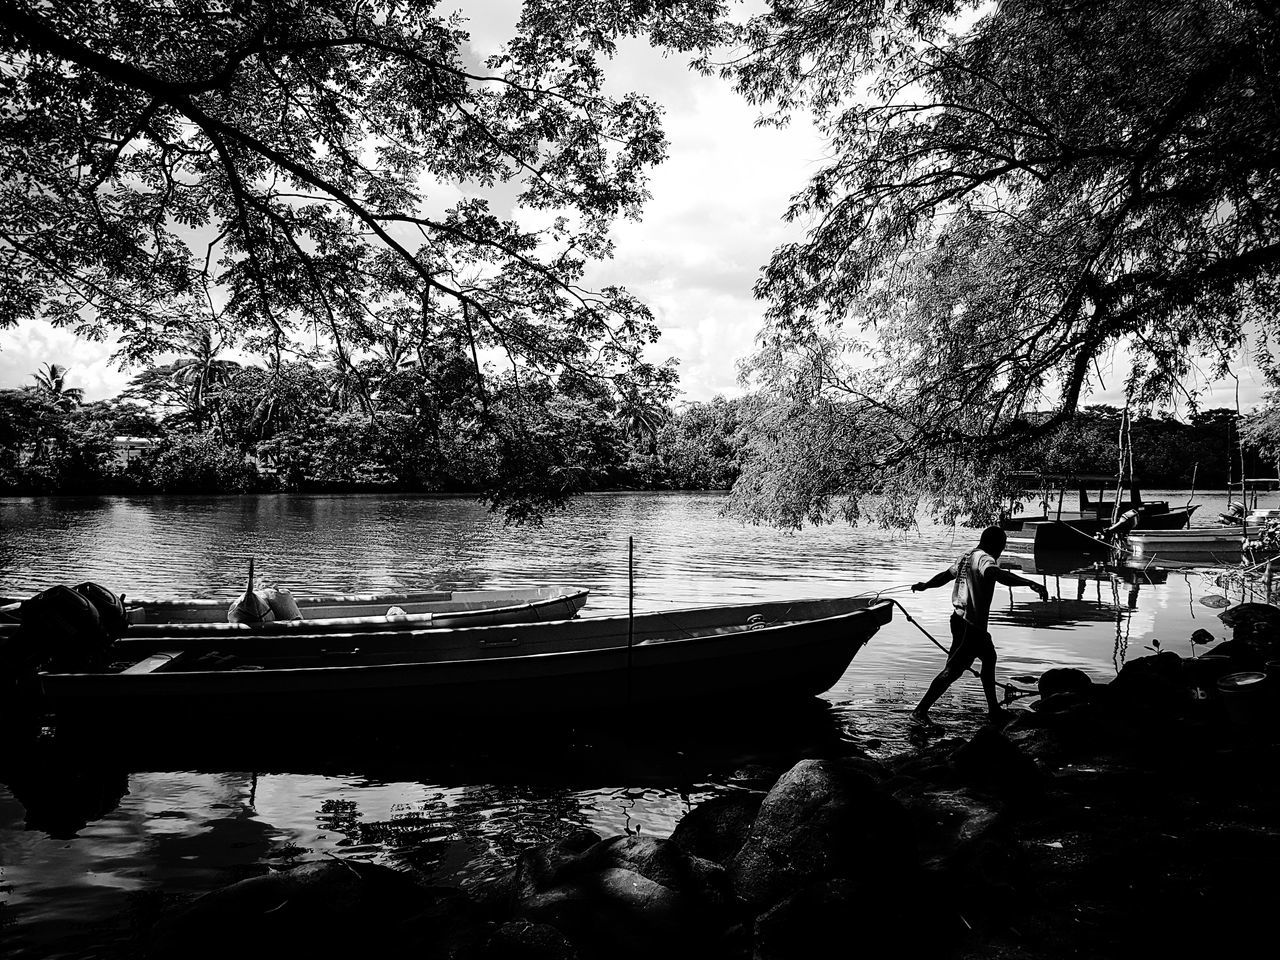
pixel 1208 448
pixel 214 425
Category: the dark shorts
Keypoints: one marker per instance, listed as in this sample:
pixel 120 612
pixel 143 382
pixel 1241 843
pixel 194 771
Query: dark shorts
pixel 968 644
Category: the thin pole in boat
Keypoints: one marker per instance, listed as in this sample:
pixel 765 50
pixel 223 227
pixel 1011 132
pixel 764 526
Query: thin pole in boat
pixel 631 606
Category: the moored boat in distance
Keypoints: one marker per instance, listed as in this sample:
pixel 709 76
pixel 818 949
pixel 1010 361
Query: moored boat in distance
pixel 1208 546
pixel 1084 531
pixel 756 653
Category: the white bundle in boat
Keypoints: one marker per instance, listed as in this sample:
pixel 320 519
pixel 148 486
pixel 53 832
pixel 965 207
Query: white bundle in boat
pixel 263 606
pixel 251 607
pixel 282 604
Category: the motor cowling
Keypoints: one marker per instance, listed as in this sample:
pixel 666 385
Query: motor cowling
pixel 110 607
pixel 65 630
pixel 1126 522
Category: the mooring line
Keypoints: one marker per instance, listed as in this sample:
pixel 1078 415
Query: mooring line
pixel 1010 692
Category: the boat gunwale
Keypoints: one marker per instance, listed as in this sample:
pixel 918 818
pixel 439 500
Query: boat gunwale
pixel 408 632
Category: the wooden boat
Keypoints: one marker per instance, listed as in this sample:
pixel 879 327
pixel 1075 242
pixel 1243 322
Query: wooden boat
pixel 1084 532
pixel 762 652
pixel 367 613
pixel 1246 509
pixel 1208 546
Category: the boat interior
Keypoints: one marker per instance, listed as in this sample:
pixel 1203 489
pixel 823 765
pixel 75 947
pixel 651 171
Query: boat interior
pixel 240 652
pixel 322 608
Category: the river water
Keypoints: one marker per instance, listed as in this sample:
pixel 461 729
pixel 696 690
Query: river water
pixel 94 849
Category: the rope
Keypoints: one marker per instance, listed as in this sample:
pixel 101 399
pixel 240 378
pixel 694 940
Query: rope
pixel 1010 692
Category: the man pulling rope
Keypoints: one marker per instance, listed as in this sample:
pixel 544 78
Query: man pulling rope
pixel 976 575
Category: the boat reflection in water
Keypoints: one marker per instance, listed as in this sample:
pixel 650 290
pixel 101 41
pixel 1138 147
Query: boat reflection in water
pixel 1081 594
pixel 456 804
pixel 1069 584
pixel 65 781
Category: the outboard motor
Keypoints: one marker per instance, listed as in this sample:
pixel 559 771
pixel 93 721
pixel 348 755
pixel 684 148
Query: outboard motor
pixel 1126 522
pixel 65 630
pixel 110 607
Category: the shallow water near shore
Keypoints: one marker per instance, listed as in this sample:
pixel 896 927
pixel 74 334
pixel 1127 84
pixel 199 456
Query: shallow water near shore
pixel 94 845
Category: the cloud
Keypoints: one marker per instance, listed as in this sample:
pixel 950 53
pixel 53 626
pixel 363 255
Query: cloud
pixel 714 220
pixel 24 349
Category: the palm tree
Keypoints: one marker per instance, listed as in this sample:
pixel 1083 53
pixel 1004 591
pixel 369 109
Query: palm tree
pixel 641 417
pixel 191 383
pixel 51 381
pixel 201 373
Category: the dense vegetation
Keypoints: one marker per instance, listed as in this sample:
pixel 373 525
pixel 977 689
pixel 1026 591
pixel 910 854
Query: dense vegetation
pixel 1014 195
pixel 214 425
pixel 212 433
pixel 345 185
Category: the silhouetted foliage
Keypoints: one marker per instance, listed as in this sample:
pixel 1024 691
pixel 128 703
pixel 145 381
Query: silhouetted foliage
pixel 274 175
pixel 1013 192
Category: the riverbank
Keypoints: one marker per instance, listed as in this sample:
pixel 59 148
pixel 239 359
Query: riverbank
pixel 1133 815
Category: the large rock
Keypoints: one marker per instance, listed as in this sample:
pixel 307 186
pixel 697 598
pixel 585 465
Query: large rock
pixel 1154 686
pixel 523 940
pixel 808 922
pixel 1255 634
pixel 627 897
pixel 1251 616
pixel 573 861
pixel 329 908
pixel 1062 725
pixel 1064 680
pixel 542 868
pixel 949 820
pixel 716 829
pixel 619 913
pixel 664 862
pixel 990 759
pixel 821 821
pixel 864 916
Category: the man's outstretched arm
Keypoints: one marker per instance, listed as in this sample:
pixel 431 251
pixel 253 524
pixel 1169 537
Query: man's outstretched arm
pixel 937 580
pixel 1011 579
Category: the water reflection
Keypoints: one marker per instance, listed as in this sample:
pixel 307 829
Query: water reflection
pixel 188 815
pixel 96 839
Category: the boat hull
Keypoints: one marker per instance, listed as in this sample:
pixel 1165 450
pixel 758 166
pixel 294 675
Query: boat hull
pixel 757 663
pixel 1209 545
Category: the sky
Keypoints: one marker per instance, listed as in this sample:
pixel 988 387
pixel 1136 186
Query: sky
pixel 714 219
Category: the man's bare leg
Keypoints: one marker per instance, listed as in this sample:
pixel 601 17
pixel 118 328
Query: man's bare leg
pixel 936 689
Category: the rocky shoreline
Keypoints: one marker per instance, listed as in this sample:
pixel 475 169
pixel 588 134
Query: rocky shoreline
pixel 1138 815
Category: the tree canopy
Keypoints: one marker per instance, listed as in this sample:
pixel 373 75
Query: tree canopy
pixel 1015 194
pixel 281 173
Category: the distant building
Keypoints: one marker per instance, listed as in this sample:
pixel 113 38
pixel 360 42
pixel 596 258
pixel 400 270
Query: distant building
pixel 264 463
pixel 126 449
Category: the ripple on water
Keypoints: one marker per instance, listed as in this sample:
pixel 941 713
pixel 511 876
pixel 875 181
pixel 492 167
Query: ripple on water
pixel 92 849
